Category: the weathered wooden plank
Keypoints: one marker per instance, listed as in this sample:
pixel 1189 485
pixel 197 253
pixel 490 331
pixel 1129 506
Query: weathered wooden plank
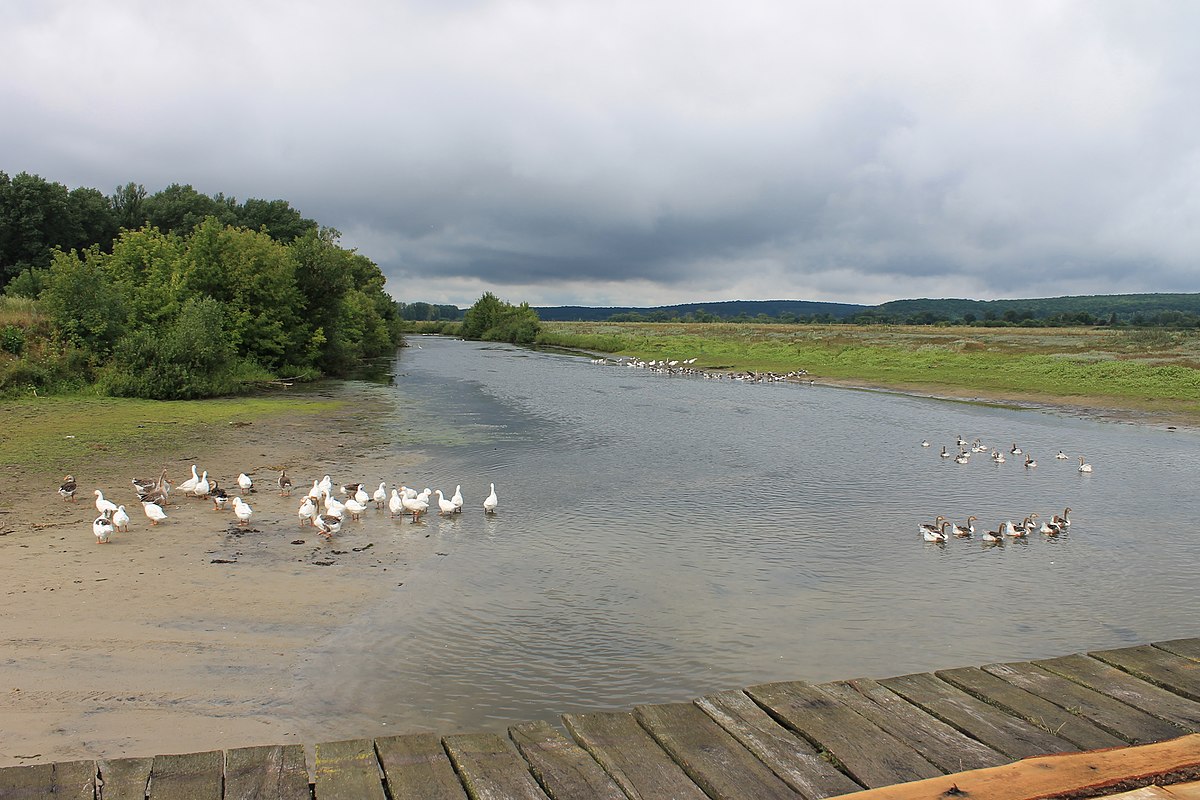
pixel 631 756
pixel 1144 793
pixel 787 755
pixel 1011 736
pixel 1083 774
pixel 1033 709
pixel 1129 723
pixel 1188 648
pixel 1127 688
pixel 416 766
pixel 1184 791
pixel 266 773
pixel 348 770
pixel 1180 675
pixel 124 778
pixel 490 768
pixel 871 756
pixel 563 768
pixel 74 780
pixel 710 756
pixel 948 749
pixel 187 776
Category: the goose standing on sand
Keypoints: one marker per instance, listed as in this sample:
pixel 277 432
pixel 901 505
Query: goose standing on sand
pixel 147 485
pixel 68 488
pixel 285 483
pixel 154 512
pixel 457 499
pixel 491 501
pixel 327 524
pixel 202 487
pixel 120 519
pixel 244 482
pixel 219 496
pixel 360 494
pixel 190 484
pixel 415 506
pixel 307 511
pixel 242 510
pixel 102 526
pixel 1084 466
pixel 380 496
pixel 105 507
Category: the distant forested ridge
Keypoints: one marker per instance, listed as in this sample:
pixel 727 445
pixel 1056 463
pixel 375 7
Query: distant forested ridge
pixel 177 294
pixel 750 310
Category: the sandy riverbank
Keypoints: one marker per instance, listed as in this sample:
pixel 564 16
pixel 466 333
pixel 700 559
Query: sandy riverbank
pixel 152 644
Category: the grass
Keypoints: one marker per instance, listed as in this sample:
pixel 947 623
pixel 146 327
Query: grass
pixel 49 434
pixel 1144 370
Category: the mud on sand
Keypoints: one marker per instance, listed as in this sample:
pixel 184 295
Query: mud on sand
pixel 184 636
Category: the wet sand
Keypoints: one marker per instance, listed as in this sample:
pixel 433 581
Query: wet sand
pixel 151 644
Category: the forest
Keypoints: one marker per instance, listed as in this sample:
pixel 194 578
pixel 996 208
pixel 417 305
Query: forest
pixel 177 294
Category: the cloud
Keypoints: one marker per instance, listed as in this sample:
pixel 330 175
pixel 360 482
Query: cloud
pixel 569 152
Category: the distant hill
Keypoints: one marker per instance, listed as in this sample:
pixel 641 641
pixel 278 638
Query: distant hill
pixel 727 309
pixel 1124 306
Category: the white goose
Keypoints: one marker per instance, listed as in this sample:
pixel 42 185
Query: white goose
pixel 327 524
pixel 354 508
pixel 415 506
pixel 120 519
pixel 190 484
pixel 1016 451
pixel 242 510
pixel 491 501
pixel 395 506
pixel 307 511
pixel 457 499
pixel 202 487
pixel 380 496
pixel 1084 466
pixel 1062 456
pixel 944 454
pixel 105 507
pixel 102 526
pixel 154 512
pixel 244 482
pixel 360 494
pixel 444 506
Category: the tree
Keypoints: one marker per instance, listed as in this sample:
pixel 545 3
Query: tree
pixel 129 205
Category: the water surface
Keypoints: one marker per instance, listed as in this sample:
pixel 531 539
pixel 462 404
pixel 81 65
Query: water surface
pixel 662 537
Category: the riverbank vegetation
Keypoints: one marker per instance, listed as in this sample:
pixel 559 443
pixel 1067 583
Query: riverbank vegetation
pixel 177 295
pixel 1152 370
pixel 490 319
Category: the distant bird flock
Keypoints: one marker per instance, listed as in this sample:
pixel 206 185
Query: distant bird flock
pixel 321 508
pixel 943 529
pixel 684 367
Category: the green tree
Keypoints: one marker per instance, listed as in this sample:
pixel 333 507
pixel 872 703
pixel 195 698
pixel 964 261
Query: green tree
pixel 82 302
pixel 128 203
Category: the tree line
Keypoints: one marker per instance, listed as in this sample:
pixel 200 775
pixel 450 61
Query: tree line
pixel 177 294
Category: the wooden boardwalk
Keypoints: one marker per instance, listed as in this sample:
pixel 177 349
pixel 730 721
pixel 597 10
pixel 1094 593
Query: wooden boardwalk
pixel 778 740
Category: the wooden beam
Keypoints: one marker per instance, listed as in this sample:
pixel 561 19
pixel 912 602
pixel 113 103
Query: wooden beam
pixel 266 773
pixel 188 776
pixel 348 770
pixel 640 767
pixel 73 780
pixel 1176 673
pixel 563 768
pixel 416 766
pixel 1063 775
pixel 125 778
pixel 490 768
pixel 1127 688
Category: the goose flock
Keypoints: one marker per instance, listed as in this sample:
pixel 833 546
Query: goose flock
pixel 321 508
pixel 684 367
pixel 943 529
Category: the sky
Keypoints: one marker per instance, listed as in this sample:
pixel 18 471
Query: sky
pixel 649 152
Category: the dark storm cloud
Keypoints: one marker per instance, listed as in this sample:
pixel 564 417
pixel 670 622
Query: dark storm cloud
pixel 566 152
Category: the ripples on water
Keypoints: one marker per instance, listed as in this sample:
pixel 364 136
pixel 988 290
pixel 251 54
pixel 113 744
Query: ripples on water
pixel 662 537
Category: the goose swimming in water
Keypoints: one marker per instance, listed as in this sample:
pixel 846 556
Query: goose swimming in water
pixel 926 530
pixel 1063 521
pixel 963 531
pixel 1030 462
pixel 993 537
pixel 962 458
pixel 924 443
pixel 998 457
pixel 1062 455
pixel 944 454
pixel 1083 466
pixel 1016 451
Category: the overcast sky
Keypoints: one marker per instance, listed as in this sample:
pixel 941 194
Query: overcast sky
pixel 646 152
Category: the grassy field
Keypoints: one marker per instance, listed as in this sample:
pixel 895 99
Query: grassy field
pixel 49 434
pixel 1147 370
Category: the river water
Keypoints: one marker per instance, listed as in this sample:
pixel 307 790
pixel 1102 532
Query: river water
pixel 663 537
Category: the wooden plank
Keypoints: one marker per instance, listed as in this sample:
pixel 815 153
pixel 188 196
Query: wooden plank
pixel 710 756
pixel 787 755
pixel 1128 689
pixel 948 749
pixel 1011 736
pixel 1083 774
pixel 1129 723
pixel 1184 791
pixel 75 780
pixel 1035 710
pixel 125 778
pixel 563 768
pixel 187 776
pixel 1188 648
pixel 631 756
pixel 869 755
pixel 266 773
pixel 1180 675
pixel 490 768
pixel 416 766
pixel 347 770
